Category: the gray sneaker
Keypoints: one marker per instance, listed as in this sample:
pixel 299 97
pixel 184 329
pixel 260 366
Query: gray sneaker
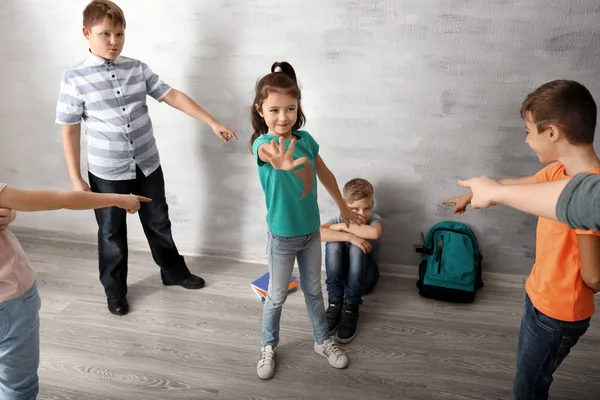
pixel 266 365
pixel 334 355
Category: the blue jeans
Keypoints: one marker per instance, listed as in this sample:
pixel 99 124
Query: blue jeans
pixel 281 254
pixel 350 272
pixel 544 342
pixel 20 346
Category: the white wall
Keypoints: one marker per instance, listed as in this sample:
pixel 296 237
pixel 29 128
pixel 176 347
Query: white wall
pixel 408 94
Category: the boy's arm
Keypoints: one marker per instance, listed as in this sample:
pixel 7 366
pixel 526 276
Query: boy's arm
pixel 71 135
pixel 183 102
pixel 331 235
pixel 41 200
pixel 461 202
pixel 328 180
pixel 370 232
pixel 538 198
pixel 589 254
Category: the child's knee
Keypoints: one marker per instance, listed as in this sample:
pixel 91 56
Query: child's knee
pixel 278 297
pixel 335 247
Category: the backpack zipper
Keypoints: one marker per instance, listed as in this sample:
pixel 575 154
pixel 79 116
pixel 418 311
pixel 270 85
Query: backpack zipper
pixel 439 254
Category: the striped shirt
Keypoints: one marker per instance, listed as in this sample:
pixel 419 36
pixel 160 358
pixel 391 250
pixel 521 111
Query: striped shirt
pixel 110 97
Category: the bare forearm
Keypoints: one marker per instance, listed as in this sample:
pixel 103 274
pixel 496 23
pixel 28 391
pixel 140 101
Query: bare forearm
pixel 40 200
pixel 330 183
pixel 362 231
pixel 71 146
pixel 183 102
pixel 330 235
pixel 512 181
pixel 538 198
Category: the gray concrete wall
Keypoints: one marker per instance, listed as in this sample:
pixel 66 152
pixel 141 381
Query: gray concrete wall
pixel 408 94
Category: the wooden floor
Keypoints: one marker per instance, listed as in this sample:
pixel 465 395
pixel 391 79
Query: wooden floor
pixel 204 344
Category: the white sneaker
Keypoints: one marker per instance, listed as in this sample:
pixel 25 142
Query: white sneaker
pixel 266 365
pixel 334 355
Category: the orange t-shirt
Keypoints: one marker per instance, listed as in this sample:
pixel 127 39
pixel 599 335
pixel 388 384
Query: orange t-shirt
pixel 555 286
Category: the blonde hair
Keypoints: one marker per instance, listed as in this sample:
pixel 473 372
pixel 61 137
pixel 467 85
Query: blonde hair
pixel 358 189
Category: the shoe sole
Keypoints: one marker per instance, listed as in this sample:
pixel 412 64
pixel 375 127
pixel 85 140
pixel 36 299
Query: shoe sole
pixel 186 286
pixel 345 341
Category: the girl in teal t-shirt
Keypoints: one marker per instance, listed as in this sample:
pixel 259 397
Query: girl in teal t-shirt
pixel 288 164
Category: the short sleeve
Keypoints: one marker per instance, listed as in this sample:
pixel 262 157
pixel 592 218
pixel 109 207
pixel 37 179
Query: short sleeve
pixel 578 205
pixel 262 139
pixel 155 87
pixel 334 220
pixel 69 108
pixel 376 218
pixel 314 145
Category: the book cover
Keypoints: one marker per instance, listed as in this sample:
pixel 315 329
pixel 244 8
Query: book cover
pixel 261 285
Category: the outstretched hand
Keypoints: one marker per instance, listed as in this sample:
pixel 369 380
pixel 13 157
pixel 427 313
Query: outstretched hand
pixel 484 191
pixel 460 203
pixel 280 158
pixel 131 202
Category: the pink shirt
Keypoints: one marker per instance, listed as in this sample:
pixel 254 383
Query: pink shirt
pixel 16 274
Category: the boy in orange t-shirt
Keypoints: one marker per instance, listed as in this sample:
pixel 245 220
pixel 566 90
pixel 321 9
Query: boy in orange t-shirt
pixel 560 117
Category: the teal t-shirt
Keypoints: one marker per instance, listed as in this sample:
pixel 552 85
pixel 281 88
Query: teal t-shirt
pixel 287 215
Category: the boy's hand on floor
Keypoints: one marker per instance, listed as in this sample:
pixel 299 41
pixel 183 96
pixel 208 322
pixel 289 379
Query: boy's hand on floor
pixel 361 243
pixel 484 191
pixel 460 203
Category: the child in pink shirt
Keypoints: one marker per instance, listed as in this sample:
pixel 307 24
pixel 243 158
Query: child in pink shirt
pixel 19 299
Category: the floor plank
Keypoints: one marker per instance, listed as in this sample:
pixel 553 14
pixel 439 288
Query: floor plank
pixel 204 344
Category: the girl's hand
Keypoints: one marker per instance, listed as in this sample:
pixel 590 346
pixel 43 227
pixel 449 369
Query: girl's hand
pixel 280 158
pixel 350 217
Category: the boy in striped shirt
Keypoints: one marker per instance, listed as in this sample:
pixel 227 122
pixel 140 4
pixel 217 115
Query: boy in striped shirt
pixel 108 92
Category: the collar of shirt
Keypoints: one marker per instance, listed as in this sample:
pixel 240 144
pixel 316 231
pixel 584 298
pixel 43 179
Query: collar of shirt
pixel 95 60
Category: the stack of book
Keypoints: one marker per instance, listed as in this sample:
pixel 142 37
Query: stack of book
pixel 261 285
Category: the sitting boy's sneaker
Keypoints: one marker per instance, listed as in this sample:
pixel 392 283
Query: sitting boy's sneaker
pixel 334 355
pixel 334 315
pixel 347 328
pixel 266 365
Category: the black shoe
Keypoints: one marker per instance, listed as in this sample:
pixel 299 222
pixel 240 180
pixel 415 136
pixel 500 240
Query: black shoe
pixel 347 329
pixel 118 305
pixel 191 282
pixel 334 315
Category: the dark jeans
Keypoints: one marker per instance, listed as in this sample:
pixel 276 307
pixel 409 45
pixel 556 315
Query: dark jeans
pixel 112 232
pixel 350 272
pixel 544 343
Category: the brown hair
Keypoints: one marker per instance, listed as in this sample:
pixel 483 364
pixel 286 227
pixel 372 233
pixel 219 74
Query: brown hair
pixel 280 82
pixel 566 104
pixel 97 10
pixel 357 189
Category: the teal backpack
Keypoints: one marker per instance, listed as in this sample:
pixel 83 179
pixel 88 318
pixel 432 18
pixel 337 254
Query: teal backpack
pixel 450 269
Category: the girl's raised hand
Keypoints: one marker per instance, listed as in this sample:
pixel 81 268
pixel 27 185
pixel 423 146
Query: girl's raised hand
pixel 280 158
